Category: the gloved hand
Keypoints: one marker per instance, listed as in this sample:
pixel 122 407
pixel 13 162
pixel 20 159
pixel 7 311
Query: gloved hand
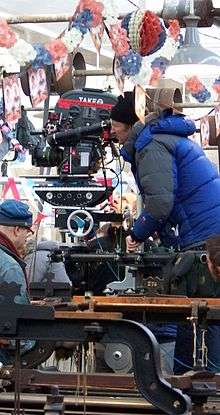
pixel 131 245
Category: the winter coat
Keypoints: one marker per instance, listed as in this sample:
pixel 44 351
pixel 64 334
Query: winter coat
pixel 178 183
pixel 12 271
pixel 39 264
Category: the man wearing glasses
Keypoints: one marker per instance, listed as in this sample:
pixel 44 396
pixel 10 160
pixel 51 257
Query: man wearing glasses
pixel 15 227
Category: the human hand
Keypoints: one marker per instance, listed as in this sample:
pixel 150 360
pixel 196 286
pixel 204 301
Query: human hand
pixel 115 206
pixel 4 342
pixel 131 245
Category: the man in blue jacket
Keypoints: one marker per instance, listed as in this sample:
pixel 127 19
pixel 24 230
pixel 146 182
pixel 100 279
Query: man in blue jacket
pixel 178 184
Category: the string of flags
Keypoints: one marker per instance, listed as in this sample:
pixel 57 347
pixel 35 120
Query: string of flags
pixel 142 44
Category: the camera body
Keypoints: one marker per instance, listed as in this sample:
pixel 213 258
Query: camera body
pixel 78 153
pixel 74 141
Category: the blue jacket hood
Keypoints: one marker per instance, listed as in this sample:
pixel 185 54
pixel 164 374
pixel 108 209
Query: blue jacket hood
pixel 166 123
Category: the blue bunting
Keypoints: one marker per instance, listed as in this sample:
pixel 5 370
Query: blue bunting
pixel 161 63
pixel 43 56
pixel 202 96
pixel 83 21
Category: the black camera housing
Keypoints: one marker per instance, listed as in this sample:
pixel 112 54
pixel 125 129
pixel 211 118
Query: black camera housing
pixel 74 141
pixel 70 142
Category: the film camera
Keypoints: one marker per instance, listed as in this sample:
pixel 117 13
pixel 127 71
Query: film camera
pixel 74 141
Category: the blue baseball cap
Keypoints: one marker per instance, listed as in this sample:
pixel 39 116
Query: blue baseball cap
pixel 15 213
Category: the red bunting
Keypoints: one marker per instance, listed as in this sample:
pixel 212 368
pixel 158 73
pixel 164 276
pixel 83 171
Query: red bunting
pixel 11 185
pixel 40 216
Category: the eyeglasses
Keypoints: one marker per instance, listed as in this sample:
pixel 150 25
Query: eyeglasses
pixel 28 229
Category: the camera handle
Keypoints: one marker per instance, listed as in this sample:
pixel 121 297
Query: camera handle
pixel 81 218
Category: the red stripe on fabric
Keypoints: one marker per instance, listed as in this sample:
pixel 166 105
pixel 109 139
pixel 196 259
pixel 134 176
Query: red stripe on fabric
pixel 67 103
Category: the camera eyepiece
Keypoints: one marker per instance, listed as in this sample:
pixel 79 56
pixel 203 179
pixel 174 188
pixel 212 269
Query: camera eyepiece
pixel 203 258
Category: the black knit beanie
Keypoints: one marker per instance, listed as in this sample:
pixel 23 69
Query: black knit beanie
pixel 124 110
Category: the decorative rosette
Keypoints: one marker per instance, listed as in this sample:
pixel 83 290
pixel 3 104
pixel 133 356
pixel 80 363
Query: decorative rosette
pixel 119 39
pixel 130 63
pixel 155 76
pixel 197 89
pixel 142 45
pixel 7 36
pixel 72 39
pixel 88 14
pixel 152 34
pixel 216 86
pixel 57 49
pixel 7 61
pixel 160 45
pixel 23 52
pixel 160 63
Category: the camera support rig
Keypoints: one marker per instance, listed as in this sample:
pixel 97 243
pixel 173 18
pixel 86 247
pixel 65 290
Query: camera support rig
pixel 21 322
pixel 102 322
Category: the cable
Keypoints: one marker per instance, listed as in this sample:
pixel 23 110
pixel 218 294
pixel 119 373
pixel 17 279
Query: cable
pixel 209 361
pixel 184 364
pixel 122 166
pixel 212 37
pixel 121 194
pixel 102 250
pixel 103 167
pixel 213 364
pixel 198 119
pixel 116 175
pixel 164 105
pixel 175 359
pixel 62 163
pixel 135 5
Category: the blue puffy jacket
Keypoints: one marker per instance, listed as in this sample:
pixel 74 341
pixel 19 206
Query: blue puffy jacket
pixel 177 181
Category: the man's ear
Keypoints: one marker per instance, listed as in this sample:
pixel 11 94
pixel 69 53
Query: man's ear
pixel 214 271
pixel 16 230
pixel 209 263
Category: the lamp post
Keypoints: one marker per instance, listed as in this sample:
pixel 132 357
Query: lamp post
pixel 192 58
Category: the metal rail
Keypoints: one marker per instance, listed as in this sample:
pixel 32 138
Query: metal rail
pixel 207 15
pixel 39 18
pixel 33 404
